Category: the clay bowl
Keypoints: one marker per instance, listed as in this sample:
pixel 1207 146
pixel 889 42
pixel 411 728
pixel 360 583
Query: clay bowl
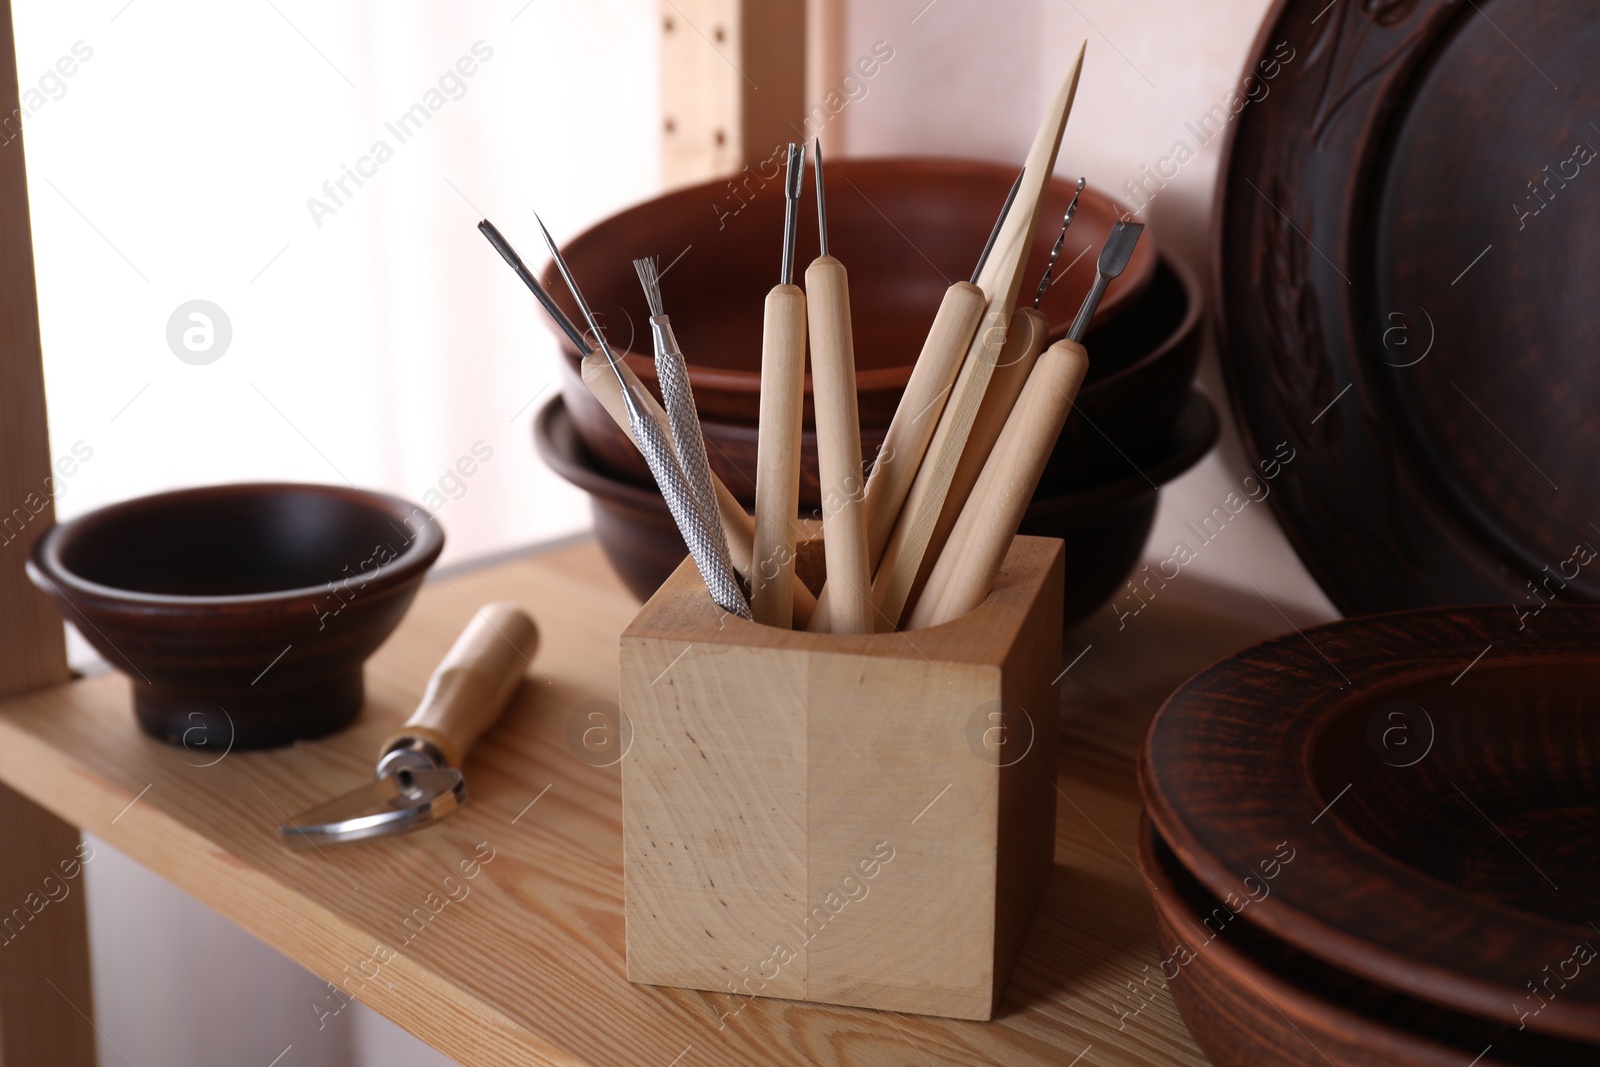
pixel 1249 998
pixel 1438 772
pixel 1142 363
pixel 905 229
pixel 1104 522
pixel 241 613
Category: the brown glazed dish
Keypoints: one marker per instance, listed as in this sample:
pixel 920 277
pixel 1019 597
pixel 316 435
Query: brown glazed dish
pixel 241 613
pixel 1438 773
pixel 1250 999
pixel 904 228
pixel 1406 292
pixel 1104 519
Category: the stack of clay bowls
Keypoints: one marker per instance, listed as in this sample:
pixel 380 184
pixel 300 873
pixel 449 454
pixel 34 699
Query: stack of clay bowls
pixel 906 228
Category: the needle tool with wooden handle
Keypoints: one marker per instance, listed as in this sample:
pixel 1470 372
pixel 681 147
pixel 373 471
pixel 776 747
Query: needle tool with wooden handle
pixel 651 439
pixel 1001 281
pixel 833 388
pixel 966 569
pixel 1025 339
pixel 682 418
pixel 783 373
pixel 418 779
pixel 918 413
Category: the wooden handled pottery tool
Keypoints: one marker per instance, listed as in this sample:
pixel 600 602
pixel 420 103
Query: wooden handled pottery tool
pixel 918 412
pixel 833 387
pixel 417 781
pixel 965 571
pixel 783 371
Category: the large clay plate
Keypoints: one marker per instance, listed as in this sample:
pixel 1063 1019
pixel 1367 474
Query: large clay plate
pixel 1436 775
pixel 1250 999
pixel 1401 303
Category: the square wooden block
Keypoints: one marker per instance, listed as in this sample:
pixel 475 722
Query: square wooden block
pixel 864 820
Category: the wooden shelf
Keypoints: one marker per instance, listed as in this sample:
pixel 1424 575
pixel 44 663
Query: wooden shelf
pixel 526 966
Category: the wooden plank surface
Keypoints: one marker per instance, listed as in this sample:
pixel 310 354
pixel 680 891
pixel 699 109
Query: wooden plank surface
pixel 522 962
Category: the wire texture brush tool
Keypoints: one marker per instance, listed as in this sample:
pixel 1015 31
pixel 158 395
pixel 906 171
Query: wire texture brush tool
pixel 966 569
pixel 833 387
pixel 783 372
pixel 683 419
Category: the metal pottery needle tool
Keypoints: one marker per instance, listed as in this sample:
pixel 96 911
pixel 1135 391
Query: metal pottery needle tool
pixel 658 453
pixel 682 418
pixel 417 782
pixel 833 387
pixel 917 415
pixel 783 372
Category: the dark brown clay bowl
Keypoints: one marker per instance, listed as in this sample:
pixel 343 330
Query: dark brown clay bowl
pixel 1104 521
pixel 1141 365
pixel 1251 999
pixel 1438 772
pixel 241 613
pixel 905 229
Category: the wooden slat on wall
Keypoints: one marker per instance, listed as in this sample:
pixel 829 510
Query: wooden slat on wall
pixel 45 1002
pixel 733 81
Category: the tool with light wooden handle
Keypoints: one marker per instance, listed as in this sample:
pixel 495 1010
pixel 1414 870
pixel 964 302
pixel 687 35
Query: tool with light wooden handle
pixel 1024 341
pixel 472 684
pixel 735 520
pixel 418 778
pixel 783 374
pixel 966 569
pixel 1001 279
pixel 833 389
pixel 920 406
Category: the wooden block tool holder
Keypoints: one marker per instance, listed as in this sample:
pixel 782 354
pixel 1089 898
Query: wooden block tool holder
pixel 865 820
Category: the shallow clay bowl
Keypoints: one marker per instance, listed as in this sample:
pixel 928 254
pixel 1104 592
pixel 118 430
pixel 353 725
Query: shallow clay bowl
pixel 1249 998
pixel 1141 364
pixel 904 228
pixel 1104 522
pixel 241 613
pixel 1438 772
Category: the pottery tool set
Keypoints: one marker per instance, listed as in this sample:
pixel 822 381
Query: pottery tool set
pixel 920 540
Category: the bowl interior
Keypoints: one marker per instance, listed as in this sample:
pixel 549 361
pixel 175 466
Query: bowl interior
pixel 905 230
pixel 233 541
pixel 1463 772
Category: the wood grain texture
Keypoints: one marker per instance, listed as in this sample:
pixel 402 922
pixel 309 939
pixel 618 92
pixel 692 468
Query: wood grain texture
pixel 783 372
pixel 529 968
pixel 1000 280
pixel 982 536
pixel 823 806
pixel 1436 773
pixel 38 1023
